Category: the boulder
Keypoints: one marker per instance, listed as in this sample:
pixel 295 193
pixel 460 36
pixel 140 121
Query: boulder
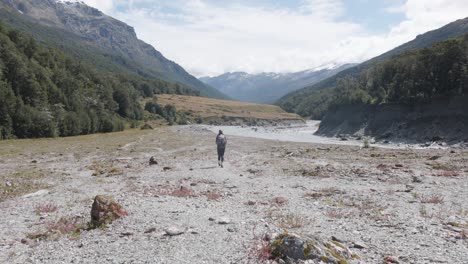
pixel 105 210
pixel 292 248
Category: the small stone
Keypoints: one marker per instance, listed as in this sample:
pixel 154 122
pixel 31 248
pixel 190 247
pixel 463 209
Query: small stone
pixel 211 219
pixel 167 168
pixel 359 245
pixel 280 201
pixel 38 193
pixel 409 188
pixel 232 229
pixel 151 230
pixel 224 221
pixel 416 179
pixel 29 242
pixel 251 203
pixel 390 259
pixel 8 184
pixel 174 231
pixel 153 161
pixel 334 238
pixel 34 161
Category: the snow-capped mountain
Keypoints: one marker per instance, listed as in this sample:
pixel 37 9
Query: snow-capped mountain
pixel 269 87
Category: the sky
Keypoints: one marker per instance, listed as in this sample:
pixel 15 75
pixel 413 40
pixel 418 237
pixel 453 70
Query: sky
pixel 211 37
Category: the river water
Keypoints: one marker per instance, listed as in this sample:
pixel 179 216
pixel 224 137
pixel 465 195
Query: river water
pixel 299 133
pixel 295 133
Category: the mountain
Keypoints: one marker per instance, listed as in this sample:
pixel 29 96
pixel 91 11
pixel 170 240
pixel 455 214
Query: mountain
pixel 267 87
pixel 96 38
pixel 314 100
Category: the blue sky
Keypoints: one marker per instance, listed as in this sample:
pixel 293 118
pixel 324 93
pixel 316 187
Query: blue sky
pixel 210 37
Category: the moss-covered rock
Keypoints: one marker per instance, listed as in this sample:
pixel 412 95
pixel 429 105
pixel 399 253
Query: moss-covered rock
pixel 291 248
pixel 105 210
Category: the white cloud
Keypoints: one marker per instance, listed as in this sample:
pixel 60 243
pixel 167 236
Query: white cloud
pixel 208 38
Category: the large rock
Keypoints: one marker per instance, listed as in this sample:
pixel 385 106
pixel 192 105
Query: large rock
pixel 105 210
pixel 292 248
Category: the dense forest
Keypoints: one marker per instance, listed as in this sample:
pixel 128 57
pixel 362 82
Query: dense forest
pixel 439 71
pixel 45 93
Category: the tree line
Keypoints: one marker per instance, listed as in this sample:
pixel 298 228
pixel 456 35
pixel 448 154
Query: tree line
pixel 45 93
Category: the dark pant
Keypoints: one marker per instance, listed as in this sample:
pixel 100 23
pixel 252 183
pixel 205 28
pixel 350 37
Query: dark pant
pixel 221 153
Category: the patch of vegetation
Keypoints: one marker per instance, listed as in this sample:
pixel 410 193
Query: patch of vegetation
pixel 103 168
pixel 70 226
pixel 291 221
pixel 204 110
pixel 45 208
pixel 20 182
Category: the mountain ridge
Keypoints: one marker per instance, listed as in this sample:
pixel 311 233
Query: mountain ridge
pixel 267 87
pixel 108 36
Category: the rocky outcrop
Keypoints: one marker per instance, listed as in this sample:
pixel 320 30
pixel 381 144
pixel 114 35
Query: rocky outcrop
pixel 105 210
pixel 441 120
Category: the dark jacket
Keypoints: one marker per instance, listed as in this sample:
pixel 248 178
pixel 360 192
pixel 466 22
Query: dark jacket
pixel 221 141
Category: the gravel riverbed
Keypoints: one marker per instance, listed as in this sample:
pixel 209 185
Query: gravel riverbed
pixel 408 204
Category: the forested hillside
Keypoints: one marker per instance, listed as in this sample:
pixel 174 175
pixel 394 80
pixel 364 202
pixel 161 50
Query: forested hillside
pixel 45 93
pixel 314 101
pixel 412 77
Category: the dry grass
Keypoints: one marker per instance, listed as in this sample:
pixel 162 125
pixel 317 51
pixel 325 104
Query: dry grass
pixel 279 201
pixel 446 173
pixel 22 181
pixel 182 192
pixel 105 169
pixel 213 195
pixel 441 166
pixel 45 208
pixel 433 199
pixel 71 226
pixel 260 250
pixel 208 107
pixel 107 143
pixel 324 192
pixel 290 221
pixel 337 213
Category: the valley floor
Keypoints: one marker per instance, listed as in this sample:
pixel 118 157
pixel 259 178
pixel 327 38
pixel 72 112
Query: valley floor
pixel 407 203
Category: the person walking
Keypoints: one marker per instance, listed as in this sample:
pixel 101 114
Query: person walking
pixel 221 142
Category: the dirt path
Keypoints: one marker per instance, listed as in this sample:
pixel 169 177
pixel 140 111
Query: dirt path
pixel 411 204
